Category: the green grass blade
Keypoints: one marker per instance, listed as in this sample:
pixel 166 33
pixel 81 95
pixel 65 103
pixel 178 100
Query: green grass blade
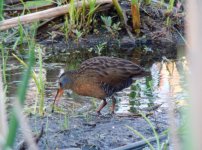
pixel 147 2
pixel 4 60
pixel 118 9
pixel 153 129
pixel 41 83
pixel 142 136
pixel 171 5
pixel 34 76
pixel 72 10
pixel 1 9
pixel 13 125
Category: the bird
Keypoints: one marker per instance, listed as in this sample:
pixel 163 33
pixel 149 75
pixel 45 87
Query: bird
pixel 100 77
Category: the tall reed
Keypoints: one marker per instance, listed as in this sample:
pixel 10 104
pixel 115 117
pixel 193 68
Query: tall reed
pixel 135 11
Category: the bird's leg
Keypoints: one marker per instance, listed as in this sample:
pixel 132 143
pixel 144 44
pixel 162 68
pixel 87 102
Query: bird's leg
pixel 101 106
pixel 113 104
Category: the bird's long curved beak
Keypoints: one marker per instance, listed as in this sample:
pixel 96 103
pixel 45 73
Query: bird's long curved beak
pixel 57 97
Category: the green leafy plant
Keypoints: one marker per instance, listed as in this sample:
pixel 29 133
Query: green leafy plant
pixel 111 27
pixel 107 22
pixel 79 20
pixel 100 47
pixel 78 34
pixel 116 26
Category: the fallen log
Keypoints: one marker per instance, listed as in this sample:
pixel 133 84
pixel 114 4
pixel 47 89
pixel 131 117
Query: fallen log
pixel 46 14
pixel 30 9
pixel 100 9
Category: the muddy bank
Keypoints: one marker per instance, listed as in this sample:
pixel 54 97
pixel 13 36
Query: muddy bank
pixel 157 41
pixel 76 127
pixel 160 34
pixel 104 44
pixel 94 133
pixel 161 31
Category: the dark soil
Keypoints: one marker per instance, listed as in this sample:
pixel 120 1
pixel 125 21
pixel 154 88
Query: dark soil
pixel 88 132
pixel 92 132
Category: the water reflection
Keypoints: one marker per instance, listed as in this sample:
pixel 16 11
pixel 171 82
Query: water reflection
pixel 168 81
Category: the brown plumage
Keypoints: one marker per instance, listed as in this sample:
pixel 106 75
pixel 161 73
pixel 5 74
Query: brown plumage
pixel 100 77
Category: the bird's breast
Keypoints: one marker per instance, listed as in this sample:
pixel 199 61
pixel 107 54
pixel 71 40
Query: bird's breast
pixel 89 89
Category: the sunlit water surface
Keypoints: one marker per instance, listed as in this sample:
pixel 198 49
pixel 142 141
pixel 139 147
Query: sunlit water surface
pixel 166 86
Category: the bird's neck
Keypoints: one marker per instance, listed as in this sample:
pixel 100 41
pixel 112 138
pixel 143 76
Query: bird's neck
pixel 72 76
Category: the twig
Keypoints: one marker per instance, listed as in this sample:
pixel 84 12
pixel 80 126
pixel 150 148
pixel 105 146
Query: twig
pixel 33 8
pixel 46 14
pixel 139 144
pixel 24 146
pixel 135 115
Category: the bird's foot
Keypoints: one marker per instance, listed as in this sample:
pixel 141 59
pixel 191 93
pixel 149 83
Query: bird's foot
pixel 113 113
pixel 97 113
pixel 110 115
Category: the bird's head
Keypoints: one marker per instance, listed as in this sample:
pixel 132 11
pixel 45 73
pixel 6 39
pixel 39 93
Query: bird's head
pixel 65 82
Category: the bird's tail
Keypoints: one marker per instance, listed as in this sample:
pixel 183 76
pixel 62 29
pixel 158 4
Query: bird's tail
pixel 142 74
pixel 146 73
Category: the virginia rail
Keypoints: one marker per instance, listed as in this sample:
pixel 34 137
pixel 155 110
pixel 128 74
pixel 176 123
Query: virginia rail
pixel 100 77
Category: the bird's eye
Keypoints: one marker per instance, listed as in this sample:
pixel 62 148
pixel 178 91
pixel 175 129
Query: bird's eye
pixel 60 84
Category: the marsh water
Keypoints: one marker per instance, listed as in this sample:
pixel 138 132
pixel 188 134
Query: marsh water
pixel 165 88
pixel 168 80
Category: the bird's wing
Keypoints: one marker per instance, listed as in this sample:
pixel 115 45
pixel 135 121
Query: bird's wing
pixel 109 70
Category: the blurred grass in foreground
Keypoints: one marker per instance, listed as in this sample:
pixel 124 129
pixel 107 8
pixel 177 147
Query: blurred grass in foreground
pixel 13 125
